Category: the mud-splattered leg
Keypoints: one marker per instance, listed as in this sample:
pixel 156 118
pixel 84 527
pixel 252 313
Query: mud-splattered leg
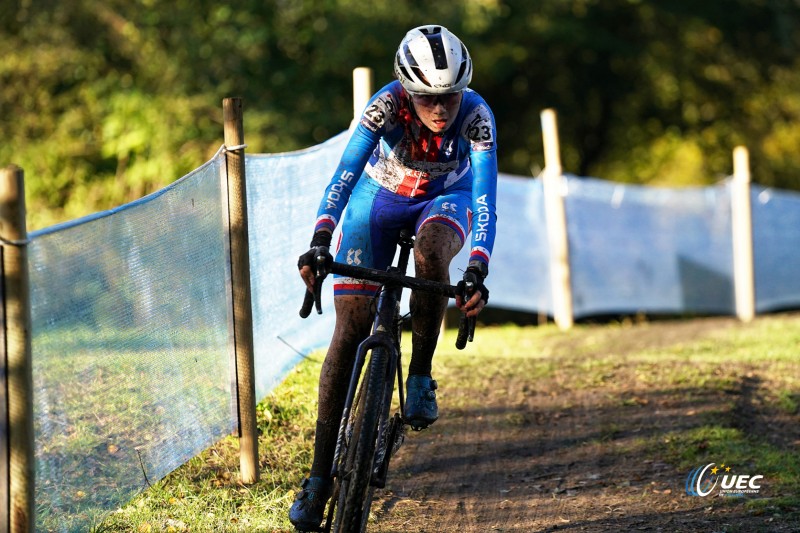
pixel 353 319
pixel 435 247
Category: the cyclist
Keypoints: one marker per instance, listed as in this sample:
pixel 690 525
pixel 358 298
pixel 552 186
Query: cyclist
pixel 423 156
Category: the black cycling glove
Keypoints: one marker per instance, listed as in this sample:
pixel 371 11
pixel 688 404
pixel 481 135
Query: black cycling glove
pixel 474 274
pixel 320 245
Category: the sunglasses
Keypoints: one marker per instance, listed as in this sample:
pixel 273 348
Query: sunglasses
pixel 430 100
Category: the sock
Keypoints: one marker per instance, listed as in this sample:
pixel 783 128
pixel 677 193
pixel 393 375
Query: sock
pixel 324 449
pixel 422 355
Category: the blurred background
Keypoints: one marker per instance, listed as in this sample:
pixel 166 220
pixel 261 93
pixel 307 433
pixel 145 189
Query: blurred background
pixel 104 101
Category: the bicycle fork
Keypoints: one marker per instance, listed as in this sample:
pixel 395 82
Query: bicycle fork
pixel 390 435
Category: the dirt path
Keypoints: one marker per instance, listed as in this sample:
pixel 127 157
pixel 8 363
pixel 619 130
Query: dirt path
pixel 516 455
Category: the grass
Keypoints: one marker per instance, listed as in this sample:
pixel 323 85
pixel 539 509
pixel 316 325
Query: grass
pixel 736 386
pixel 206 495
pixel 128 415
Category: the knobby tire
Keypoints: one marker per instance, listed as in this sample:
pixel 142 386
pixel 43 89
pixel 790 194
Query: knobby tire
pixel 355 497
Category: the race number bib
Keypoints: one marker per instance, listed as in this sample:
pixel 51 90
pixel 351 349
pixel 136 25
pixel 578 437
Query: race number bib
pixel 479 129
pixel 379 112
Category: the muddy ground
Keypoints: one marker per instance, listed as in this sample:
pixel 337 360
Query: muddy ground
pixel 517 455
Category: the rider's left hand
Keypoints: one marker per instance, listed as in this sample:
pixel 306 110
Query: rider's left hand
pixel 477 302
pixel 473 306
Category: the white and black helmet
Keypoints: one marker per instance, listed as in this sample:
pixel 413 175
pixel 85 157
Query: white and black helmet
pixel 431 60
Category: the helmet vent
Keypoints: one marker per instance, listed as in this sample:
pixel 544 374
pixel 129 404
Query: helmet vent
pixel 412 62
pixel 439 53
pixel 464 62
pixel 421 75
pixel 431 30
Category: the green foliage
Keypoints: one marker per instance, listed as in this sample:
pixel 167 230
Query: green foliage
pixel 102 102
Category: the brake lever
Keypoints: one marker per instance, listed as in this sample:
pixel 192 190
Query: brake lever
pixel 466 327
pixel 320 275
pixel 319 278
pixel 314 299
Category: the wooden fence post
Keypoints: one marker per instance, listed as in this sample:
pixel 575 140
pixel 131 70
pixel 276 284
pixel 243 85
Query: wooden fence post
pixel 742 225
pixel 556 221
pixel 17 511
pixel 233 118
pixel 362 92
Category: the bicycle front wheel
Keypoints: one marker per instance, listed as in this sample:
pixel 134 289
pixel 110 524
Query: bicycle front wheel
pixel 355 497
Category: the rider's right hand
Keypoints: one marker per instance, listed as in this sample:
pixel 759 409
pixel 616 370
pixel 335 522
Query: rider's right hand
pixel 307 262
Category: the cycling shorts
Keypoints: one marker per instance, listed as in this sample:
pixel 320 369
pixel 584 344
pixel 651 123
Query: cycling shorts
pixel 375 217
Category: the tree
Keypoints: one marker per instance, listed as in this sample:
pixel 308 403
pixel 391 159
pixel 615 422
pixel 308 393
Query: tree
pixel 104 101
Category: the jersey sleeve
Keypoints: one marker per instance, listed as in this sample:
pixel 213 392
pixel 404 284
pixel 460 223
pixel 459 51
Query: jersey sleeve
pixel 379 115
pixel 481 133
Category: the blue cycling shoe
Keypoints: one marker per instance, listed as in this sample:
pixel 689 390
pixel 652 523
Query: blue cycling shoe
pixel 308 508
pixel 421 409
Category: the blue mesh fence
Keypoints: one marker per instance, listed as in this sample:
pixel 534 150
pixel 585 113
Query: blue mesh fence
pixel 132 337
pixel 283 193
pixel 776 248
pixel 131 356
pixel 649 249
pixel 520 275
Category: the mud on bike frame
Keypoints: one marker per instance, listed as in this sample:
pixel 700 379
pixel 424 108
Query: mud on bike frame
pixel 367 437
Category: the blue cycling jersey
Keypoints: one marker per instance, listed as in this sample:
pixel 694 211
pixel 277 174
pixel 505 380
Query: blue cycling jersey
pixel 404 157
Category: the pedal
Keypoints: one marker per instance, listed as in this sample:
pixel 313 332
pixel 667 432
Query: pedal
pixel 416 427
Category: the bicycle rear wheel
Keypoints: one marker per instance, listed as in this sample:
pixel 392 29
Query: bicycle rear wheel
pixel 355 495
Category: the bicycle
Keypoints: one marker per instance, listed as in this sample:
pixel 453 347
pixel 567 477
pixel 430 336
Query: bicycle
pixel 368 437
